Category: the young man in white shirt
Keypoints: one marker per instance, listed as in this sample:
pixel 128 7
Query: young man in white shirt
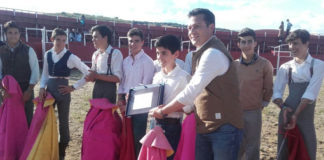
pixel 106 69
pixel 175 80
pixel 213 89
pixel 138 69
pixel 57 66
pixel 20 61
pixel 304 76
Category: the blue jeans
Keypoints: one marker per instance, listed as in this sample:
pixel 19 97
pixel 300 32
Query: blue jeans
pixel 222 144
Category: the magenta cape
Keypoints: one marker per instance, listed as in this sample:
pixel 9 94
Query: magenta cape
pixel 127 151
pixel 13 122
pixel 42 139
pixel 101 132
pixel 187 143
pixel 155 145
pixel 296 146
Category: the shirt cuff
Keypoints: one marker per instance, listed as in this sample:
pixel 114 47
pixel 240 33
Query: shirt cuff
pixel 187 109
pixel 276 95
pixel 42 86
pixel 76 87
pixel 309 96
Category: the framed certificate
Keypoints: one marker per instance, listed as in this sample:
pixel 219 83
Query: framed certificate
pixel 143 98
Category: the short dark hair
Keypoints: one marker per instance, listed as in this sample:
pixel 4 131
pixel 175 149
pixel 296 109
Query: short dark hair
pixel 58 32
pixel 299 33
pixel 169 42
pixel 104 31
pixel 135 32
pixel 209 17
pixel 10 24
pixel 247 32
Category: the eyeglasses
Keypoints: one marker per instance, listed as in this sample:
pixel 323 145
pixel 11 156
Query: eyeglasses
pixel 246 42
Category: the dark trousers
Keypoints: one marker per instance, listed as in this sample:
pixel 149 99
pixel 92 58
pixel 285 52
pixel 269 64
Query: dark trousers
pixel 103 89
pixel 172 131
pixel 29 105
pixel 62 102
pixel 139 123
pixel 29 109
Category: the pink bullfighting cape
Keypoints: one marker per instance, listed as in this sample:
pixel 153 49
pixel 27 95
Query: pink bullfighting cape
pixel 101 132
pixel 155 146
pixel 187 143
pixel 42 139
pixel 127 151
pixel 13 122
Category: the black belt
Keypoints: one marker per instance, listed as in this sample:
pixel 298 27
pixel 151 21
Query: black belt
pixel 168 121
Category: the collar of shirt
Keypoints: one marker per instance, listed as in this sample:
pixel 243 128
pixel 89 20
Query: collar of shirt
pixel 253 60
pixel 106 51
pixel 173 73
pixel 59 54
pixel 206 42
pixel 13 48
pixel 308 59
pixel 138 55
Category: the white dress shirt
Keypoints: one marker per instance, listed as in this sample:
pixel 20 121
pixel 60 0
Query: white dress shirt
pixel 212 63
pixel 137 71
pixel 300 73
pixel 174 82
pixel 33 63
pixel 178 62
pixel 99 62
pixel 188 63
pixel 72 62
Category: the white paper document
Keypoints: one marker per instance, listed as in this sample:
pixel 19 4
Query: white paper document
pixel 142 101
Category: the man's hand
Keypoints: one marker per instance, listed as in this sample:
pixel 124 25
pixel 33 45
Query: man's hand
pixel 42 94
pixel 289 122
pixel 122 105
pixel 27 94
pixel 278 102
pixel 156 112
pixel 4 94
pixel 65 89
pixel 292 123
pixel 92 76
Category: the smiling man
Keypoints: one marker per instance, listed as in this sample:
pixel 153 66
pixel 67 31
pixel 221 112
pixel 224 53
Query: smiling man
pixel 138 69
pixel 57 66
pixel 213 89
pixel 20 61
pixel 304 75
pixel 255 81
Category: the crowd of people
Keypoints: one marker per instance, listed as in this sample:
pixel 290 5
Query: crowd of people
pixel 227 96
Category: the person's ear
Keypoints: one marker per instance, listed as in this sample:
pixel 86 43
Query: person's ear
pixel 212 27
pixel 177 53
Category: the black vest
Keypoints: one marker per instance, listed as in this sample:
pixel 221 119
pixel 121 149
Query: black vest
pixel 60 68
pixel 16 63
